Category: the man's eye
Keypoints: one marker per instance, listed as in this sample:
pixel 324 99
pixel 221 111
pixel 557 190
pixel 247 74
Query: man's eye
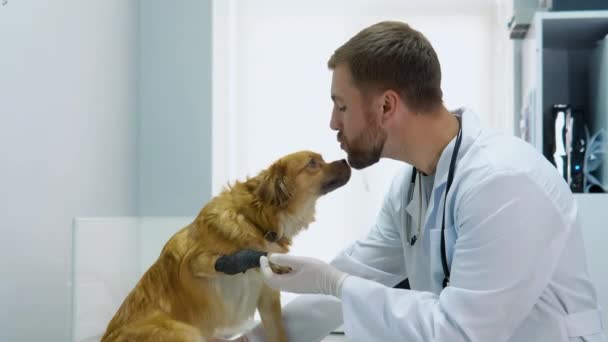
pixel 342 109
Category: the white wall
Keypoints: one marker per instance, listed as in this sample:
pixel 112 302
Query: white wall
pixel 271 90
pixel 67 146
pixel 175 106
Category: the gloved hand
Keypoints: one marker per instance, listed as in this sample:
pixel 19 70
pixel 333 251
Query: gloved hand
pixel 309 275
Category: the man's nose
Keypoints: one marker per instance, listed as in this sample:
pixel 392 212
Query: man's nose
pixel 334 122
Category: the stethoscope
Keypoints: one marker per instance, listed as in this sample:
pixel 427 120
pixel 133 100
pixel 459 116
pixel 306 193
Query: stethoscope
pixel 451 170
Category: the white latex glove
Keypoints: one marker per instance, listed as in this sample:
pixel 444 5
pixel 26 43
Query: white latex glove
pixel 309 275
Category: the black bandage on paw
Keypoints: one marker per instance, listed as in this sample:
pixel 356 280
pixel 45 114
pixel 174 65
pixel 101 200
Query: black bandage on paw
pixel 239 262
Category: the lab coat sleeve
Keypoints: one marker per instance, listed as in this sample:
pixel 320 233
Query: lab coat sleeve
pixel 510 236
pixel 379 257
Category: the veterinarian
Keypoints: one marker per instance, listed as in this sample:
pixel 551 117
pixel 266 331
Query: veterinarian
pixel 483 227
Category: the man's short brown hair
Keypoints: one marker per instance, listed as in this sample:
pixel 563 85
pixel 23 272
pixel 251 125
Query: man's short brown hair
pixel 392 55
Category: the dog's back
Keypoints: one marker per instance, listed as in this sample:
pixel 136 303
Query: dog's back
pixel 166 298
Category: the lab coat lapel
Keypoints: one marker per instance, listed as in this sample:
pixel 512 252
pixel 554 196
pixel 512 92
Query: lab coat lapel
pixel 470 131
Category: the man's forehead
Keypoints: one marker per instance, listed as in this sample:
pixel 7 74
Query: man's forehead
pixel 341 84
pixel 341 74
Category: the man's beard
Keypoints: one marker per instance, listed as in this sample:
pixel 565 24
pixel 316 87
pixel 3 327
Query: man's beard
pixel 366 148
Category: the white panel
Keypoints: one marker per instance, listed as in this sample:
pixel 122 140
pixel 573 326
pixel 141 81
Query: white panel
pixel 155 232
pixel 110 255
pixel 594 218
pixel 106 267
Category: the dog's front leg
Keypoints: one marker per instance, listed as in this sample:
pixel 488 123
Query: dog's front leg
pixel 203 265
pixel 269 305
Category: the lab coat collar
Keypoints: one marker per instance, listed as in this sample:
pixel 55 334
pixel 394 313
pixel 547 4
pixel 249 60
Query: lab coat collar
pixel 470 131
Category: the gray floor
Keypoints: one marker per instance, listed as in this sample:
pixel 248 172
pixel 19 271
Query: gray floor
pixel 335 338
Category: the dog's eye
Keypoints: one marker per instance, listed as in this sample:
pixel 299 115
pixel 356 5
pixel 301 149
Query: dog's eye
pixel 312 164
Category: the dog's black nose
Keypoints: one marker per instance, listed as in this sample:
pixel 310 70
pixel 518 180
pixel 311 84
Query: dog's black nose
pixel 344 161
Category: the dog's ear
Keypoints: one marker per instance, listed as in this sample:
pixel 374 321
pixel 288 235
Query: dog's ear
pixel 274 187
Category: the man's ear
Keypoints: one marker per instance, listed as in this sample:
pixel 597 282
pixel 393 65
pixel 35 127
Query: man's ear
pixel 274 188
pixel 389 104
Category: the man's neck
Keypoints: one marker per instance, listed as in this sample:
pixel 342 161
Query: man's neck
pixel 436 131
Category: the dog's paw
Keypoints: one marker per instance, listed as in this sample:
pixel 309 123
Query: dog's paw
pixel 280 269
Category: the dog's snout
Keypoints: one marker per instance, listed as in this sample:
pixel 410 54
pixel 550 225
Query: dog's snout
pixel 342 167
pixel 337 174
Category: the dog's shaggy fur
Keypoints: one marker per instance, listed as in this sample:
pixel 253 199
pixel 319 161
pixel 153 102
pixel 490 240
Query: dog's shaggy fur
pixel 183 298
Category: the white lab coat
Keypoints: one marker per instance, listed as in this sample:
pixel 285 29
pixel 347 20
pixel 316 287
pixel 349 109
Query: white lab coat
pixel 514 246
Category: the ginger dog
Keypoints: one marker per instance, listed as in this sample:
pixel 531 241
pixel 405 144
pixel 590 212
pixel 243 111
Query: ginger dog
pixel 182 297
